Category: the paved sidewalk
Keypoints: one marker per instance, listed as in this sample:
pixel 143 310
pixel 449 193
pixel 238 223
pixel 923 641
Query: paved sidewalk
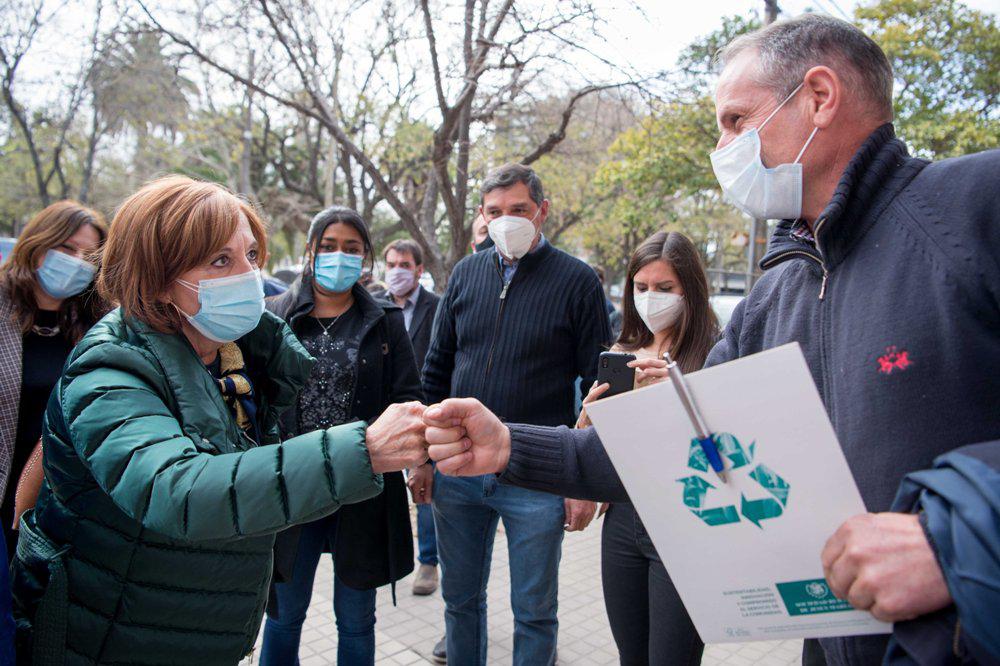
pixel 407 633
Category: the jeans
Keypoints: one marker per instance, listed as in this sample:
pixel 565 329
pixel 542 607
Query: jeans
pixel 6 619
pixel 353 609
pixel 466 513
pixel 648 619
pixel 427 550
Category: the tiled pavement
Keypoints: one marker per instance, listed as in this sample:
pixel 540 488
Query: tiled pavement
pixel 405 634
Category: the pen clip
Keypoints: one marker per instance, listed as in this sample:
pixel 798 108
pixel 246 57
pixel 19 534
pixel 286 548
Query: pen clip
pixel 703 434
pixel 684 393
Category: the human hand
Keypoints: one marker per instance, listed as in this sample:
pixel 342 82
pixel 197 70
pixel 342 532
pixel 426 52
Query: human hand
pixel 579 514
pixel 649 368
pixel 596 391
pixel 466 439
pixel 395 440
pixel 420 481
pixel 882 563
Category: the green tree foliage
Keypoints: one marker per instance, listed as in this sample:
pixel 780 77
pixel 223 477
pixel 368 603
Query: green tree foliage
pixel 946 59
pixel 661 178
pixel 697 61
pixel 658 172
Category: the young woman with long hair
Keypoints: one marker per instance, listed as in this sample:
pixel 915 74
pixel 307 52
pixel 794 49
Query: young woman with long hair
pixel 665 308
pixel 47 303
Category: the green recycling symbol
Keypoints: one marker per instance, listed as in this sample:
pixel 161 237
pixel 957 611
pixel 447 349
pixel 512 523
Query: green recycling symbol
pixel 757 510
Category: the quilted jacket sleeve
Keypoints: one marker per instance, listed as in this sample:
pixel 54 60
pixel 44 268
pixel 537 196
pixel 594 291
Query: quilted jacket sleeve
pixel 125 435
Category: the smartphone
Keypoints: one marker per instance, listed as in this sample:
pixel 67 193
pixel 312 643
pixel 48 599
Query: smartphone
pixel 612 368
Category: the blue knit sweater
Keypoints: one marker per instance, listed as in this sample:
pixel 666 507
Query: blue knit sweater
pixel 519 348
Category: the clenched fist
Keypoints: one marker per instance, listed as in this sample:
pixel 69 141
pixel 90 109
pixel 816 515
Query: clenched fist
pixel 466 439
pixel 882 563
pixel 395 440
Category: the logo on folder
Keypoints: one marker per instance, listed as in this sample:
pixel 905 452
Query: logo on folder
pixel 697 488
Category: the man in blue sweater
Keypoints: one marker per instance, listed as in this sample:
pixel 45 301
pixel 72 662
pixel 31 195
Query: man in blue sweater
pixel 516 327
pixel 885 270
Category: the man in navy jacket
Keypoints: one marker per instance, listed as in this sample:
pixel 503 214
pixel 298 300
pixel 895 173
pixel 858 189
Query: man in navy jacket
pixel 516 327
pixel 886 272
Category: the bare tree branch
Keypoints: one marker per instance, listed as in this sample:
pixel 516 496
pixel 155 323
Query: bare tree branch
pixel 554 138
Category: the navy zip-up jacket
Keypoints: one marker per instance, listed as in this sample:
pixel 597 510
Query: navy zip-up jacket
pixel 518 347
pixel 897 308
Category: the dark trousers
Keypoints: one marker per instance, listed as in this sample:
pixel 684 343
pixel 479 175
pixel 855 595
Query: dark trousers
pixel 812 653
pixel 648 620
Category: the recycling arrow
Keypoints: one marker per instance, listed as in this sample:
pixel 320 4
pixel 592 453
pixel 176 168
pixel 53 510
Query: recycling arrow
pixel 696 488
pixel 771 482
pixel 731 448
pixel 758 510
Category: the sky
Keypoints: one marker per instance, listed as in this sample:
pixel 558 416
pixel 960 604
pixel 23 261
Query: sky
pixel 656 40
pixel 646 34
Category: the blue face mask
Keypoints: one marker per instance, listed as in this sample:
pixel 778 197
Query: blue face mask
pixel 337 271
pixel 230 308
pixel 63 276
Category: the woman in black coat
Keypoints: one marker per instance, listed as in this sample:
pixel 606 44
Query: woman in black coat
pixel 364 363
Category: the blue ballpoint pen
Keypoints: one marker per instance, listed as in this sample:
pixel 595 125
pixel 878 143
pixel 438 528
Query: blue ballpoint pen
pixel 700 429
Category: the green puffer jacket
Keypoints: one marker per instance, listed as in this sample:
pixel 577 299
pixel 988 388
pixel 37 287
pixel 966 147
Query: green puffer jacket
pixel 151 539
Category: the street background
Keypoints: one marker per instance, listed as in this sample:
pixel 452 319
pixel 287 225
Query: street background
pixel 407 633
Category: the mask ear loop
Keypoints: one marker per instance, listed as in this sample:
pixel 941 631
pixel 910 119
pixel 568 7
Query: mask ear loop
pixel 778 108
pixel 192 287
pixel 183 314
pixel 185 283
pixel 801 152
pixel 808 141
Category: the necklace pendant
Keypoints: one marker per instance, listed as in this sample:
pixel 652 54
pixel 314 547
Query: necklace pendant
pixel 46 331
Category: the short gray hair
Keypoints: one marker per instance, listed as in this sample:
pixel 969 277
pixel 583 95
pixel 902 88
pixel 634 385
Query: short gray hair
pixel 788 49
pixel 511 174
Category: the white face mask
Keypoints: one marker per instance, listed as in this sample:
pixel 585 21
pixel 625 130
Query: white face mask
pixel 513 235
pixel 766 194
pixel 658 310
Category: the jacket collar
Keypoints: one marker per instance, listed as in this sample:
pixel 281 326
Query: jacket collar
pixel 298 301
pixel 281 365
pixel 874 176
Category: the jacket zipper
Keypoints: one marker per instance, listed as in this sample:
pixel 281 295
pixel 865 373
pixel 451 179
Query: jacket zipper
pixel 823 337
pixel 822 264
pixel 496 327
pixel 818 260
pixel 824 325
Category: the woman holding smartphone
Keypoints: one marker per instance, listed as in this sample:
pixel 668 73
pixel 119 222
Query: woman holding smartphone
pixel 665 308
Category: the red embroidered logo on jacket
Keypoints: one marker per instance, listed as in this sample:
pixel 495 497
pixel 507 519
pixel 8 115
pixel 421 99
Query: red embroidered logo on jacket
pixel 894 359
